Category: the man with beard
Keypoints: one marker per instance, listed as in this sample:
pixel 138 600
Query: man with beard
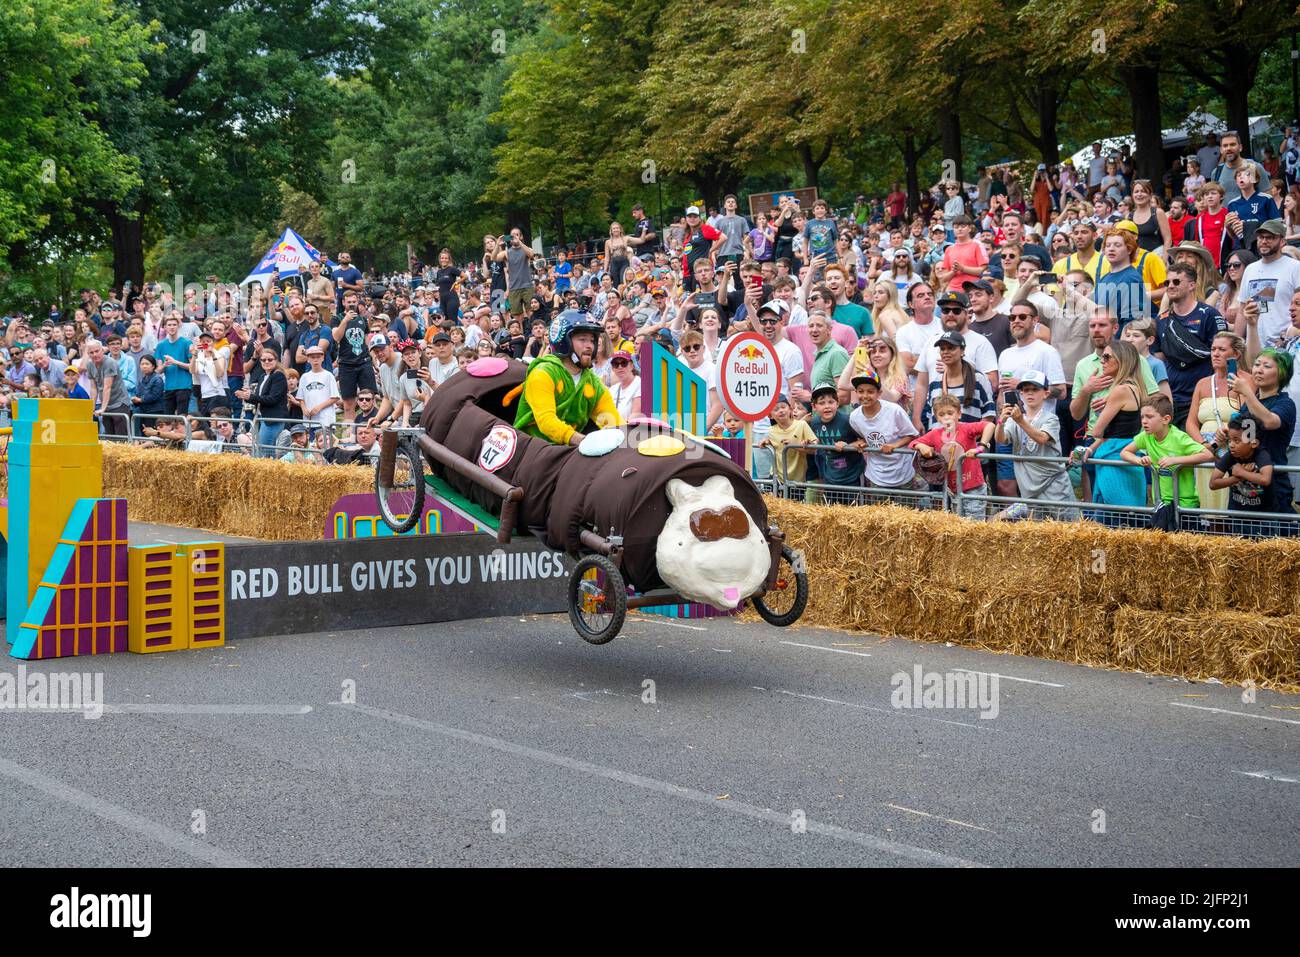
pixel 561 392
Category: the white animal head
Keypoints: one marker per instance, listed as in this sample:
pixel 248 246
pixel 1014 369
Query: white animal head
pixel 710 549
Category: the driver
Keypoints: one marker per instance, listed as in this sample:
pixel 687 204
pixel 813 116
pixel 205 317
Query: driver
pixel 561 393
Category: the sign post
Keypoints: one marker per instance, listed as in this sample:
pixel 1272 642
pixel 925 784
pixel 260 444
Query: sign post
pixel 749 382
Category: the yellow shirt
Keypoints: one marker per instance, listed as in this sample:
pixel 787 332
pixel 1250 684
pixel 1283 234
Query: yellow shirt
pixel 796 463
pixel 1152 266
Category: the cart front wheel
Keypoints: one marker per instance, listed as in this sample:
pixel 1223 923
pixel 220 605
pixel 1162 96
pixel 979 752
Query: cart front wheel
pixel 597 599
pixel 402 502
pixel 784 602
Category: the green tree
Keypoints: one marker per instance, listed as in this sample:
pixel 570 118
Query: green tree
pixel 62 59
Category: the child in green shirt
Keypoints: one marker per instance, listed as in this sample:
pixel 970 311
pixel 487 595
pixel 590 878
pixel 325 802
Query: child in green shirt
pixel 1167 446
pixel 786 437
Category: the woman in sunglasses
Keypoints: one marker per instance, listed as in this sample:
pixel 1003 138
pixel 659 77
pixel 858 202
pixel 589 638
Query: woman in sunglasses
pixel 879 355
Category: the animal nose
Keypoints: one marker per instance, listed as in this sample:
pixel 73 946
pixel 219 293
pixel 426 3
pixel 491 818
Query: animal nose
pixel 713 524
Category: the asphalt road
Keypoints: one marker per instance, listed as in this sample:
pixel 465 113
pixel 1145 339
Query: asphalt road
pixel 761 747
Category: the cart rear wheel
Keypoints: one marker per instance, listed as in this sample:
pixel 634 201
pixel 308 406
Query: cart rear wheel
pixel 402 503
pixel 784 603
pixel 597 599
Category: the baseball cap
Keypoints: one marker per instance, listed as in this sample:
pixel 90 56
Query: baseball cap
pixel 826 388
pixel 378 341
pixel 778 306
pixel 297 430
pixel 954 297
pixel 1274 226
pixel 952 338
pixel 692 210
pixel 1032 377
pixel 981 284
pixel 864 377
pixel 1131 227
pixel 315 351
pixel 441 337
pixel 207 335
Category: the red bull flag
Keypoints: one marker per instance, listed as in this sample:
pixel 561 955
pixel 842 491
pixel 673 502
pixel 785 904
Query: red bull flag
pixel 291 255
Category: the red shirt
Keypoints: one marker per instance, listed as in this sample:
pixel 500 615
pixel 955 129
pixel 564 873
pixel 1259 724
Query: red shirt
pixel 896 202
pixel 1176 229
pixel 968 254
pixel 1210 228
pixel 968 437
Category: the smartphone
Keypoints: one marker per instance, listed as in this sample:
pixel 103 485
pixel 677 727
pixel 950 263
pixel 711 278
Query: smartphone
pixel 1047 278
pixel 413 373
pixel 1232 367
pixel 755 281
pixel 1013 398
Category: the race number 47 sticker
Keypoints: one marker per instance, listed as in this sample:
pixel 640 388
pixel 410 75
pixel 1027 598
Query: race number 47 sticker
pixel 498 448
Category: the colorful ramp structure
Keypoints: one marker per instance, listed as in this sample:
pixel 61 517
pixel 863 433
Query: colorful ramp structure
pixel 68 581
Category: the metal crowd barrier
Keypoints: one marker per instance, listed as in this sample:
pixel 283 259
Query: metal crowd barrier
pixel 1002 507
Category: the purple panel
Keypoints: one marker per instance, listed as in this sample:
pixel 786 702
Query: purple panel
pixel 104 521
pixel 363 506
pixel 119 519
pixel 67 600
pixel 120 553
pixel 119 603
pixel 69 641
pixel 103 563
pixel 119 638
pixel 103 639
pixel 85 609
pixel 103 605
pixel 85 563
pixel 70 573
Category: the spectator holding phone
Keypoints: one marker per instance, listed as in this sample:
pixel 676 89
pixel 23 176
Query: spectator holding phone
pixel 1212 405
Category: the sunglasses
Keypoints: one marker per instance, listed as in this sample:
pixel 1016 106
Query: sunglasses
pixel 1108 357
pixel 1177 282
pixel 620 362
pixel 1234 265
pixel 951 310
pixel 365 398
pixel 877 347
pixel 692 348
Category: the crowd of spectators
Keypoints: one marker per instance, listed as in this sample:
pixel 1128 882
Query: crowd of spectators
pixel 1085 315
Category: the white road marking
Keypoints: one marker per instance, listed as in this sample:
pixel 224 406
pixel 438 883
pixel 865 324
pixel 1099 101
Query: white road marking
pixel 946 820
pixel 1239 714
pixel 898 712
pixel 994 674
pixel 1269 776
pixel 666 788
pixel 174 840
pixel 652 620
pixel 290 709
pixel 838 651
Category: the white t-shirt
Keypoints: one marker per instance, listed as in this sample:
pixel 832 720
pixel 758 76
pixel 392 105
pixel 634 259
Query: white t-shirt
pixel 791 357
pixel 440 373
pixel 1273 284
pixel 798 315
pixel 979 353
pixel 1037 354
pixel 913 337
pixel 889 424
pixel 626 397
pixel 313 389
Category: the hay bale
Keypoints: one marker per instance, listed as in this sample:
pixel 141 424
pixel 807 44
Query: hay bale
pixel 231 494
pixel 1231 646
pixel 933 576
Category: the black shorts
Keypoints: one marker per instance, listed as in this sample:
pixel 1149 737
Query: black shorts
pixel 353 378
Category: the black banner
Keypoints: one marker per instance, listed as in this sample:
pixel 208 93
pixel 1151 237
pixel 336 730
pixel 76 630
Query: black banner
pixel 287 588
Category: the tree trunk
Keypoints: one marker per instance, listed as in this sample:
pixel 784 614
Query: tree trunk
pixel 910 158
pixel 557 220
pixel 1049 146
pixel 522 217
pixel 950 140
pixel 713 182
pixel 128 247
pixel 1143 85
pixel 810 169
pixel 1243 66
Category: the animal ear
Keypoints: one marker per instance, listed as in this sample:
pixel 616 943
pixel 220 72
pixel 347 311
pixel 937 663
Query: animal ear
pixel 681 493
pixel 718 485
